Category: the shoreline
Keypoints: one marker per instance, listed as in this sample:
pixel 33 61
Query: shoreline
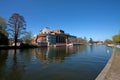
pixel 17 47
pixel 111 70
pixel 105 70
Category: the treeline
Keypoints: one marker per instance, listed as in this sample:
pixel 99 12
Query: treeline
pixel 11 31
pixel 115 39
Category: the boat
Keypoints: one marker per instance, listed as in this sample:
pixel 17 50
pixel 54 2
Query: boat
pixel 117 46
pixel 110 45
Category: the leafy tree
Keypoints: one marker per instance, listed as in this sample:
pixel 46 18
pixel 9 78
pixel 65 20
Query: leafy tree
pixel 81 40
pixel 27 38
pixel 108 41
pixel 3 32
pixel 17 26
pixel 2 23
pixel 116 38
pixel 91 41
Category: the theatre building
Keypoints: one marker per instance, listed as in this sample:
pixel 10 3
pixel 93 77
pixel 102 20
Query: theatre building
pixel 48 37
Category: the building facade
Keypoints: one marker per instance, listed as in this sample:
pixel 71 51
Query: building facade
pixel 51 37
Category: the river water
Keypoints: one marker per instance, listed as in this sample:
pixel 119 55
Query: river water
pixel 82 62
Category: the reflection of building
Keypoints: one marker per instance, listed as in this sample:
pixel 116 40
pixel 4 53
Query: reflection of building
pixel 53 37
pixel 54 54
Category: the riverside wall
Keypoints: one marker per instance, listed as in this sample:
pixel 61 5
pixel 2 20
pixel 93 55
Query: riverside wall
pixel 112 69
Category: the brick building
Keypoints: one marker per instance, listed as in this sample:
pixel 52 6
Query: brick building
pixel 51 37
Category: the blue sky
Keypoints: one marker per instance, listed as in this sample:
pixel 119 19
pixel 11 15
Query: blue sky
pixel 97 19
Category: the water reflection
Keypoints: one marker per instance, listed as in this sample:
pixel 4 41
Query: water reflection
pixel 53 63
pixel 3 58
pixel 55 54
pixel 91 48
pixel 16 69
pixel 13 69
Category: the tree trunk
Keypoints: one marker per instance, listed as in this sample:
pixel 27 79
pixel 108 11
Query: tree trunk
pixel 15 40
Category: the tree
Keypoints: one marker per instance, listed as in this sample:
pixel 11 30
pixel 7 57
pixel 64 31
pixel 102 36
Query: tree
pixel 2 23
pixel 17 26
pixel 81 40
pixel 116 38
pixel 91 41
pixel 108 41
pixel 3 32
pixel 27 38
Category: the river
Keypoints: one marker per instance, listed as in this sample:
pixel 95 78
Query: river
pixel 82 62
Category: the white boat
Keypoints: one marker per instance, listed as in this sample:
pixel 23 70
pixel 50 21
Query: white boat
pixel 70 44
pixel 110 45
pixel 118 46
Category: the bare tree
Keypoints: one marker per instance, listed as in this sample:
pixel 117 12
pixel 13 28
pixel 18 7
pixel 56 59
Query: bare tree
pixel 17 26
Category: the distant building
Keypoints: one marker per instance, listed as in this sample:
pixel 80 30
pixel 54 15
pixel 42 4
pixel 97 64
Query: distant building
pixel 72 39
pixel 12 42
pixel 51 37
pixel 98 42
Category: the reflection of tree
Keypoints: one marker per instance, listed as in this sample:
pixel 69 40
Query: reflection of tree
pixel 82 48
pixel 16 69
pixel 25 54
pixel 3 58
pixel 91 48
